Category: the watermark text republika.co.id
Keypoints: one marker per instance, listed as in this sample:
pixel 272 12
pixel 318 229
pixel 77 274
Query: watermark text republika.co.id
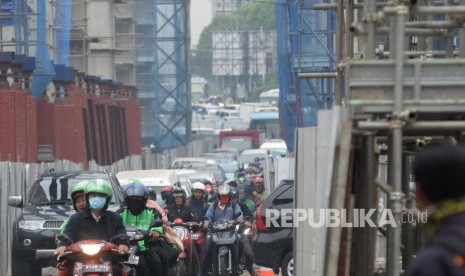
pixel 340 217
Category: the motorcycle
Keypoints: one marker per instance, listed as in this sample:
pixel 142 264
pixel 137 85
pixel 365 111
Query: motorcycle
pixel 188 257
pixel 225 248
pixel 89 257
pixel 198 236
pixel 135 236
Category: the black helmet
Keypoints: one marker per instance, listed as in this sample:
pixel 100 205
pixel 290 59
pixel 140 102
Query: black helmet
pixel 205 181
pixel 152 194
pixel 179 192
pixel 234 193
pixel 136 196
pixel 231 182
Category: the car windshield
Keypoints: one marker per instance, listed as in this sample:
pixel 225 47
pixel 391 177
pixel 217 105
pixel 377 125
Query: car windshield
pixel 54 191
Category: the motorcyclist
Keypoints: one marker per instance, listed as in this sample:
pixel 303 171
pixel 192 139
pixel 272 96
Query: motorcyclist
pixel 259 192
pixel 224 209
pixel 242 197
pixel 210 194
pixel 138 215
pixel 153 205
pixel 245 248
pixel 197 203
pixel 96 222
pixel 179 209
pixel 167 195
pixel 79 203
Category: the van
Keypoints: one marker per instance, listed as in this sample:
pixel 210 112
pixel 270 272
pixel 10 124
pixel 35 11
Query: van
pixel 153 179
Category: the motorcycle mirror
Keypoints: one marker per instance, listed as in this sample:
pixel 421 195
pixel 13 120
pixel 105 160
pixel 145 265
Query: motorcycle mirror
pixel 156 223
pixel 120 238
pixel 63 238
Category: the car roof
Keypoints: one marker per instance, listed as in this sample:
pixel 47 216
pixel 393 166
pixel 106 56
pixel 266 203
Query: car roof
pixel 83 174
pixel 150 177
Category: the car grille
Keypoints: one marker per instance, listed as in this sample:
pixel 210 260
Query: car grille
pixel 52 224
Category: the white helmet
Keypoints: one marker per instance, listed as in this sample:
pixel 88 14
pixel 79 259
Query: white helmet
pixel 198 186
pixel 224 189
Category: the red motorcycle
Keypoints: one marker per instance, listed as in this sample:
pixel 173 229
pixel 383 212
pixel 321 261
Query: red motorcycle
pixel 188 260
pixel 88 258
pixel 198 236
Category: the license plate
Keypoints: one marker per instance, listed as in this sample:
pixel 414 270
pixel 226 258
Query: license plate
pixel 95 268
pixel 133 260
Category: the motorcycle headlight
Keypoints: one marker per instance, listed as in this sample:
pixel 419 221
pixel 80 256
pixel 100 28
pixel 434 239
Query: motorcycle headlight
pixel 31 224
pixel 91 249
pixel 246 231
pixel 180 232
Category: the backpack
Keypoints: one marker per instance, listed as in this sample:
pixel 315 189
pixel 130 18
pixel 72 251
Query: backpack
pixel 233 205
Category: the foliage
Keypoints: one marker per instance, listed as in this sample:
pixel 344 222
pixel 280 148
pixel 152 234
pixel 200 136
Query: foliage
pixel 271 82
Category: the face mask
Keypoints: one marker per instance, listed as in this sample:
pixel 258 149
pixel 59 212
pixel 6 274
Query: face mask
pixel 136 207
pixel 224 199
pixel 97 203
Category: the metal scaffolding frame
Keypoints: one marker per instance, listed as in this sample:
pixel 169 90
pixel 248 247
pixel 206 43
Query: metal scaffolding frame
pixel 172 114
pixel 403 85
pixel 306 63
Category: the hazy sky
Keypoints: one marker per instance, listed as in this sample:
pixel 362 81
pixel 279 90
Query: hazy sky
pixel 201 15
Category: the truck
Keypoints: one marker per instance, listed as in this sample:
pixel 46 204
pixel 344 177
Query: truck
pixel 241 139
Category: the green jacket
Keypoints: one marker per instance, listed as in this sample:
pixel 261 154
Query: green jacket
pixel 62 230
pixel 142 221
pixel 250 204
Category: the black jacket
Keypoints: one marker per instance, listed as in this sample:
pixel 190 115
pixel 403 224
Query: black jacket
pixel 435 260
pixel 82 226
pixel 185 213
pixel 246 212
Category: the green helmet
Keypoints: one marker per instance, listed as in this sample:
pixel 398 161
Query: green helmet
pixel 99 186
pixel 79 187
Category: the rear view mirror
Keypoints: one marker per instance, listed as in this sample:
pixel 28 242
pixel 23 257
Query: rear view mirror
pixel 156 223
pixel 119 239
pixel 15 201
pixel 64 239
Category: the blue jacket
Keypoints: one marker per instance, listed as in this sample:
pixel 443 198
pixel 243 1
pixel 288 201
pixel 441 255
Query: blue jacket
pixel 436 260
pixel 230 212
pixel 198 207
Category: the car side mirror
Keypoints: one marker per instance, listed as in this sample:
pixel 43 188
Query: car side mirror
pixel 15 201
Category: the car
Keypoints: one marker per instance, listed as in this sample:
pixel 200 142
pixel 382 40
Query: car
pixel 249 155
pixel 154 179
pixel 191 162
pixel 272 244
pixel 46 206
pixel 275 147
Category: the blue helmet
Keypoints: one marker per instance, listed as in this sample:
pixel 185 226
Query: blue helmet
pixel 136 196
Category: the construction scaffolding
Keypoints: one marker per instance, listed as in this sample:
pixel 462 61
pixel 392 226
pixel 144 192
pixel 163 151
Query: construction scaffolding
pixel 171 108
pixel 306 63
pixel 400 81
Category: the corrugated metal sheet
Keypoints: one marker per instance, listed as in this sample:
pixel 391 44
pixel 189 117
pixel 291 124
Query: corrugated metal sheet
pixel 315 157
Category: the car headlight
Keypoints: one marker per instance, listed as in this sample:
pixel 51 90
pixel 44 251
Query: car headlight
pixel 31 224
pixel 91 249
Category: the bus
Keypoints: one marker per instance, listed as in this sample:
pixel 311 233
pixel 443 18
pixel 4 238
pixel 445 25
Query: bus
pixel 270 97
pixel 267 122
